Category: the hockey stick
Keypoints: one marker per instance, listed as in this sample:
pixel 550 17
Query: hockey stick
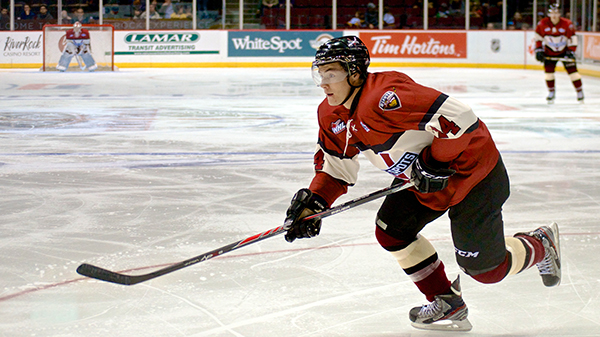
pixel 114 277
pixel 78 58
pixel 562 59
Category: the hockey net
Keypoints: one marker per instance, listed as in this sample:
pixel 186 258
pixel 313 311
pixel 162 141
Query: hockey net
pixel 101 42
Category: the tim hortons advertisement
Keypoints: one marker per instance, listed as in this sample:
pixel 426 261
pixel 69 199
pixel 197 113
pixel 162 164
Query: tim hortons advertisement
pixel 591 47
pixel 451 45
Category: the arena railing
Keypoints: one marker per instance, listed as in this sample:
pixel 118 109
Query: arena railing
pixel 297 14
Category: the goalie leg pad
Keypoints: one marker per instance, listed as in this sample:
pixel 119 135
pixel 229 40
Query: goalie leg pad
pixel 89 61
pixel 64 61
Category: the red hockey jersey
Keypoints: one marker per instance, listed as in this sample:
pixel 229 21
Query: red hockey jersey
pixel 84 34
pixel 391 121
pixel 555 39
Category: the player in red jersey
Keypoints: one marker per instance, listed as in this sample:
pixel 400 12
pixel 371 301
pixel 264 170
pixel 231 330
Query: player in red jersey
pixel 417 134
pixel 78 45
pixel 555 39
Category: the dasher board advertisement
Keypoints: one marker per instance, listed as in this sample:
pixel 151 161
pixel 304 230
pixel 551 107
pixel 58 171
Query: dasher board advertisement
pixel 172 42
pixel 277 43
pixel 591 47
pixel 438 45
pixel 21 47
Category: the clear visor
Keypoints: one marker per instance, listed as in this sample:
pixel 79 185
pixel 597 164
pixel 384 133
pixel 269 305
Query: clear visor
pixel 328 76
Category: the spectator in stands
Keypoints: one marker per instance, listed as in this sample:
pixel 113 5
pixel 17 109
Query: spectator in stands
pixel 153 13
pixel 4 19
pixel 372 16
pixel 389 21
pixel 181 14
pixel 166 9
pixel 443 11
pixel 476 10
pixel 79 16
pixel 516 22
pixel 137 14
pixel 358 21
pixel 267 4
pixel 27 13
pixel 44 14
pixel 113 13
pixel 65 18
pixel 137 4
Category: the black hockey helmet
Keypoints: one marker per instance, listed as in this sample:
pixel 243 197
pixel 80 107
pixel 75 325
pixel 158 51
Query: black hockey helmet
pixel 554 8
pixel 348 50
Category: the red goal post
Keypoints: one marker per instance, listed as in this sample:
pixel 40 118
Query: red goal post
pixel 102 45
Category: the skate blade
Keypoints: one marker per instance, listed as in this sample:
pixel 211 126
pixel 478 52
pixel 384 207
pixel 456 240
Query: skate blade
pixel 554 227
pixel 445 325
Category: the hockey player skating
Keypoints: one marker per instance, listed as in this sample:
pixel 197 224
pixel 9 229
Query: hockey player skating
pixel 421 135
pixel 78 46
pixel 555 39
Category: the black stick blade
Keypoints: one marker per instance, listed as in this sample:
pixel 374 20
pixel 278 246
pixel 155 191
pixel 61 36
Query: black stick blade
pixel 104 275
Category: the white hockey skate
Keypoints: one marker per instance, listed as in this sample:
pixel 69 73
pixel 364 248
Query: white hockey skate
pixel 580 97
pixel 551 97
pixel 446 312
pixel 549 268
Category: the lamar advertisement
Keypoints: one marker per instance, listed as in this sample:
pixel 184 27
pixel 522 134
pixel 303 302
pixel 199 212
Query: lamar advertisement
pixel 417 44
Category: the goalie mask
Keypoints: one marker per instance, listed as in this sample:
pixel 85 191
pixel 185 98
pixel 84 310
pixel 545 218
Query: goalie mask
pixel 77 27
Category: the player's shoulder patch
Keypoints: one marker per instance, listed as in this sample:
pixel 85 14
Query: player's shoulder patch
pixel 338 126
pixel 390 101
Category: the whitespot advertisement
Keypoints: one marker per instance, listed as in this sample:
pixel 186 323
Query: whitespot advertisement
pixel 277 43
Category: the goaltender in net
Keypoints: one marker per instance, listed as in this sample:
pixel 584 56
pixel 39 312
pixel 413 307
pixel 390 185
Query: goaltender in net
pixel 78 46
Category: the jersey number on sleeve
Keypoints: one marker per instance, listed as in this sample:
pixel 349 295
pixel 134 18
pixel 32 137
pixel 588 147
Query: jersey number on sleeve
pixel 447 127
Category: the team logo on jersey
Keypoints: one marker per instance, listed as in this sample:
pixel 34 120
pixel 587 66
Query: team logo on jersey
pixel 398 168
pixel 389 101
pixel 338 126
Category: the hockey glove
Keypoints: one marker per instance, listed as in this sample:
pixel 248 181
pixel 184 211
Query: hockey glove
pixel 70 49
pixel 428 179
pixel 304 203
pixel 570 54
pixel 539 55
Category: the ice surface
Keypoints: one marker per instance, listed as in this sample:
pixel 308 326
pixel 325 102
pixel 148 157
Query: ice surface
pixel 140 168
